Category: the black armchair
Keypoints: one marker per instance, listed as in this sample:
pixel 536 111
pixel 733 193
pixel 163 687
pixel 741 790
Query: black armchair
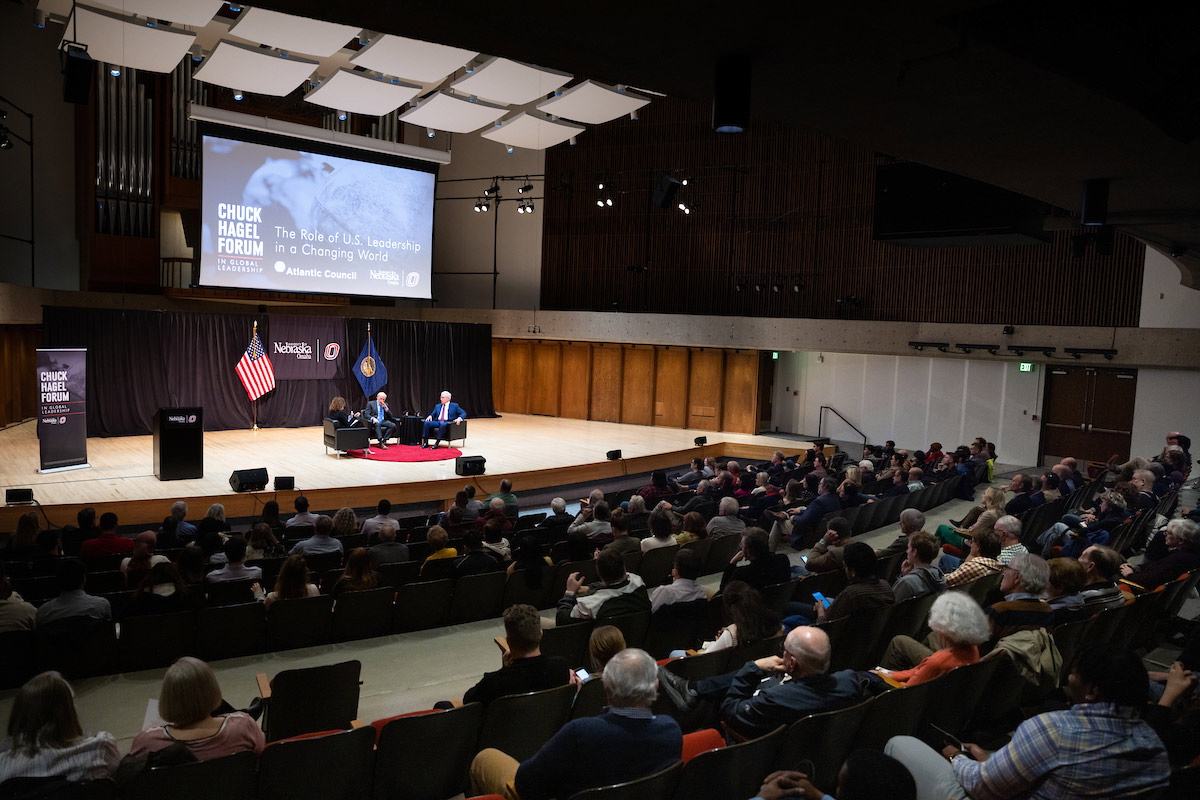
pixel 343 439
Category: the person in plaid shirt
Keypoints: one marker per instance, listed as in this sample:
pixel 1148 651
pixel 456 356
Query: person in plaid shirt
pixel 1100 747
pixel 983 560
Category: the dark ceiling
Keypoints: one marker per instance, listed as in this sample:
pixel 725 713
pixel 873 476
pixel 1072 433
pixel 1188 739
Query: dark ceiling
pixel 1036 97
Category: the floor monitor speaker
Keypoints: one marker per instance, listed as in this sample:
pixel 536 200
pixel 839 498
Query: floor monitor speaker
pixel 469 465
pixel 248 480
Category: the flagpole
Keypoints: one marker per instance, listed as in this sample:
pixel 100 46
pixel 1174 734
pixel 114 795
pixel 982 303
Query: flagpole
pixel 255 426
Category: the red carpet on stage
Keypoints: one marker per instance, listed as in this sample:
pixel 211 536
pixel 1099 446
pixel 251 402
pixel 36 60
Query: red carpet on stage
pixel 403 452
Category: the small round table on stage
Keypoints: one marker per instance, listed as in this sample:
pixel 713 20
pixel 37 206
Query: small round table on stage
pixel 409 430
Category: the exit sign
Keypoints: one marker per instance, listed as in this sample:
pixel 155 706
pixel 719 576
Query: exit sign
pixel 1026 366
pixel 775 355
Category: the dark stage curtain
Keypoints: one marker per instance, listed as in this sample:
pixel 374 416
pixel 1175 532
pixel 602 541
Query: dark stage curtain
pixel 139 361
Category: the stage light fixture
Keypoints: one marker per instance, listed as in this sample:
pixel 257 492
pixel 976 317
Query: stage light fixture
pixel 608 202
pixel 483 206
pixel 477 208
pixel 633 115
pixel 492 190
pixel 731 93
pixel 237 94
pixel 39 18
pixel 5 142
pixel 429 133
pixel 284 54
pixel 235 8
pixel 342 116
pixel 700 441
pixel 1021 349
pixel 600 203
pixel 526 188
pixel 600 186
pixel 114 71
pixel 918 346
pixel 529 207
pixel 796 288
pixel 364 37
pixel 571 141
pixel 776 288
pixel 1079 352
pixel 508 148
pixel 197 53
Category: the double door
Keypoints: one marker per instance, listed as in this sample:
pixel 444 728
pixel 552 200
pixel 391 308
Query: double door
pixel 1088 413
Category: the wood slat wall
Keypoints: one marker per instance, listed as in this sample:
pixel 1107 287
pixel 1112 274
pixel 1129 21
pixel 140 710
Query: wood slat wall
pixel 637 384
pixel 778 206
pixel 18 362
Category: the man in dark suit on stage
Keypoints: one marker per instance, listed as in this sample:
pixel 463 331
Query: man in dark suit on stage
pixel 444 414
pixel 381 418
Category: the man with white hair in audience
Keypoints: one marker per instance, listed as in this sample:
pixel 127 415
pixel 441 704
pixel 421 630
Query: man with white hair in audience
pixel 1023 583
pixel 183 528
pixel 558 518
pixel 726 522
pixel 1182 540
pixel 628 741
pixel 701 502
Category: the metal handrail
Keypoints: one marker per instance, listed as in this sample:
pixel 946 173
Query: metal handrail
pixel 821 422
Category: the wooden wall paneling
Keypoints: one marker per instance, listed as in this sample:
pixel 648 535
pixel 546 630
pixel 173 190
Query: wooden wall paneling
pixel 18 362
pixel 671 387
pixel 739 404
pixel 575 390
pixel 706 386
pixel 606 383
pixel 518 374
pixel 499 348
pixel 637 385
pixel 547 368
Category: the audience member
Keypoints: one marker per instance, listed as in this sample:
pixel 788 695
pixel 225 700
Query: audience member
pixel 683 587
pixel 593 523
pixel 960 625
pixel 727 521
pixel 763 569
pixel 496 512
pixel 179 510
pixel 320 542
pixel 1099 747
pixel 659 488
pixel 1022 583
pixel 604 643
pixel 911 520
pixel 624 743
pixel 359 574
pixel 866 775
pixel 494 543
pixel 476 560
pixel 528 559
pixel 263 543
pixel 192 564
pixel 751 620
pixel 622 542
pixel 1021 486
pixel 235 568
pixel 1075 532
pixel 473 508
pixel 383 516
pixel 826 554
pixel 982 560
pixel 864 589
pixel 345 522
pixel 388 550
pixel 214 520
pixel 143 557
pixel 993 504
pixel 803 522
pixel 72 602
pixel 439 547
pixel 616 594
pixel 694 475
pixel 918 576
pixel 558 517
pixel 1067 579
pixel 15 613
pixel 692 529
pixel 23 543
pixel 636 513
pixel 1101 566
pixel 523 667
pixel 168 535
pixel 292 583
pixel 161 591
pixel 302 517
pixel 270 517
pixel 188 703
pixel 46 740
pixel 1183 555
pixel 660 533
pixel 106 542
pixel 506 494
pixel 701 501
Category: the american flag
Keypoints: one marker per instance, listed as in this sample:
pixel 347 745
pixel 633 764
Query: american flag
pixel 255 370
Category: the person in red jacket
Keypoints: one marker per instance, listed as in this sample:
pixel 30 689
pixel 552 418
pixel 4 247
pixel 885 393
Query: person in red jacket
pixel 107 542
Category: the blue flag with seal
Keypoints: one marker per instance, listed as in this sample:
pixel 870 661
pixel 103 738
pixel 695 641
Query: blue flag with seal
pixel 369 369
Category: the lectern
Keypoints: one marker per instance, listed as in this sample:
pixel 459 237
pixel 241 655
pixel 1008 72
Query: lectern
pixel 178 443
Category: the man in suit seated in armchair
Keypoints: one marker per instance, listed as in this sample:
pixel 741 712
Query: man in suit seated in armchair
pixel 444 415
pixel 381 419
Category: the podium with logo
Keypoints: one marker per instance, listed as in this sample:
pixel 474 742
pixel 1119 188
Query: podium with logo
pixel 178 443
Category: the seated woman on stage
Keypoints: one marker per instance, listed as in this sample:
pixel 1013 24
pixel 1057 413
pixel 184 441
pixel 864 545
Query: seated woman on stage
pixel 293 582
pixel 339 414
pixel 189 698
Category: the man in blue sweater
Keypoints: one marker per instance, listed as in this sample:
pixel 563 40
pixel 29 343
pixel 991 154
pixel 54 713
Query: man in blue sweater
pixel 625 743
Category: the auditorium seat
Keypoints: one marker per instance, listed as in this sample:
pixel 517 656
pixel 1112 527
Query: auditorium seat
pixel 720 550
pixel 312 699
pixel 908 618
pixel 658 786
pixel 477 597
pixel 854 639
pixel 517 591
pixel 362 615
pixel 229 778
pixel 398 574
pixel 231 631
pixel 300 622
pixel 541 714
pixel 569 642
pixel 408 768
pixel 227 593
pixel 656 564
pixel 155 640
pixel 678 626
pixel 456 432
pixel 980 588
pixel 967 685
pixel 77 647
pixel 422 605
pixel 17 661
pixel 899 712
pixel 734 771
pixel 336 766
pixel 591 700
pixel 633 627
pixel 823 739
pixel 528 521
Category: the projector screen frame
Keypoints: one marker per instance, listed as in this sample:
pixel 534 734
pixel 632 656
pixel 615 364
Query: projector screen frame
pixel 321 147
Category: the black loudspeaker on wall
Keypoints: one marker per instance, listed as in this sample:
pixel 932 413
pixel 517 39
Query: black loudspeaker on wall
pixel 248 480
pixel 469 465
pixel 77 69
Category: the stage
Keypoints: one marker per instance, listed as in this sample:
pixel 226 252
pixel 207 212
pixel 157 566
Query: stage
pixel 534 452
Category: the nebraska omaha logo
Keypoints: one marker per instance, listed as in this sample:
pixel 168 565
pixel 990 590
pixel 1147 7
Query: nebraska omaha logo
pixel 331 351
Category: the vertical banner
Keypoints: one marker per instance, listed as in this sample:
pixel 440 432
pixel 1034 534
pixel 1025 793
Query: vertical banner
pixel 62 408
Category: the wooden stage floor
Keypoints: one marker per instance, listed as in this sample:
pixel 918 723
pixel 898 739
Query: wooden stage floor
pixel 535 452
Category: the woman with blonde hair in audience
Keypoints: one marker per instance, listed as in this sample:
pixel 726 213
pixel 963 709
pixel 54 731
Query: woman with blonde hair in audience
pixel 262 543
pixel 854 475
pixel 359 575
pixel 45 738
pixel 960 625
pixel 293 583
pixel 693 529
pixel 345 522
pixel 189 699
pixel 439 546
pixel 990 509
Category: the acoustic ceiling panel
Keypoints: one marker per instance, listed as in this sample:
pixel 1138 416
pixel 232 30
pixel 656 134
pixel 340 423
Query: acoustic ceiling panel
pixel 118 39
pixel 359 93
pixel 291 33
pixel 449 112
pixel 197 13
pixel 413 59
pixel 239 66
pixel 593 103
pixel 510 82
pixel 532 130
